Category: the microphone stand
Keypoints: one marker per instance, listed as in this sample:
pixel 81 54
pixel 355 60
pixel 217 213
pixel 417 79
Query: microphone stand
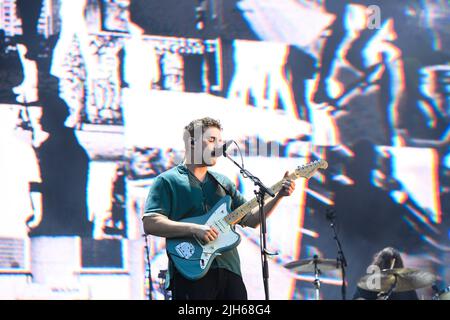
pixel 150 282
pixel 260 195
pixel 331 215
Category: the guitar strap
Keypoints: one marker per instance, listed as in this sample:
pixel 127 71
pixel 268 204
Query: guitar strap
pixel 216 178
pixel 227 191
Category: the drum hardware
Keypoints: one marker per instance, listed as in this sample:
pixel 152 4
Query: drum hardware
pixel 315 265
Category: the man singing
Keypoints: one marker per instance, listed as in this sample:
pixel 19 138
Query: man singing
pixel 190 190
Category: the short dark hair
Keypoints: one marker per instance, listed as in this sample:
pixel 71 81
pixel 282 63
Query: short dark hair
pixel 203 123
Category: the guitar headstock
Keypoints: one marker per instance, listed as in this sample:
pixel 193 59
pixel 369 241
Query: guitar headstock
pixel 307 170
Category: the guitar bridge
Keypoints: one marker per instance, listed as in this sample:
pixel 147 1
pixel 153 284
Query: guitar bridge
pixel 206 256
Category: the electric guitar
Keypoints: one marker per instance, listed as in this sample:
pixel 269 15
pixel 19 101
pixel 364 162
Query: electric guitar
pixel 193 258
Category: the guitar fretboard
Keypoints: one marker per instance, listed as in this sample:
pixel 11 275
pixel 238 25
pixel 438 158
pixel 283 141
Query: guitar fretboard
pixel 239 213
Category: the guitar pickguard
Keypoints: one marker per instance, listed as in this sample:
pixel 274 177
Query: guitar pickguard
pixel 226 238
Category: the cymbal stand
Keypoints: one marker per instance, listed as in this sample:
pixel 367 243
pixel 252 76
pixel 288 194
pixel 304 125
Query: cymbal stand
pixel 387 295
pixel 316 278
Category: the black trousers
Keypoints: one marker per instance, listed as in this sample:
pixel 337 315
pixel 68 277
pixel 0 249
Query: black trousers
pixel 217 284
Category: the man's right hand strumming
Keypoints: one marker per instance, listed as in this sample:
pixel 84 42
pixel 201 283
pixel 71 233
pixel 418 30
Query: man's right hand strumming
pixel 204 233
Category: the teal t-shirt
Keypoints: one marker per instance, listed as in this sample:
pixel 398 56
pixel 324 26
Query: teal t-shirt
pixel 178 194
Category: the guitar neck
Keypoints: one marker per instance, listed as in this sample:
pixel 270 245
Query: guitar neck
pixel 235 216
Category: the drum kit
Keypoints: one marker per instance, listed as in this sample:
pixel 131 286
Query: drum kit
pixel 384 282
pixel 315 265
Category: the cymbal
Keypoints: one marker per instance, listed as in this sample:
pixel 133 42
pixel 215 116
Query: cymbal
pixel 407 279
pixel 307 265
pixel 445 295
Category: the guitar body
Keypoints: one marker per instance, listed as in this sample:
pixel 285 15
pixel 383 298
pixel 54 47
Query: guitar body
pixel 193 258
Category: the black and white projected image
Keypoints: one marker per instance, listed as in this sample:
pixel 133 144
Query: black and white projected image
pixel 94 96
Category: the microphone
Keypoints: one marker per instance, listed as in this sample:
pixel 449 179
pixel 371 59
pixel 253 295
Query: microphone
pixel 221 151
